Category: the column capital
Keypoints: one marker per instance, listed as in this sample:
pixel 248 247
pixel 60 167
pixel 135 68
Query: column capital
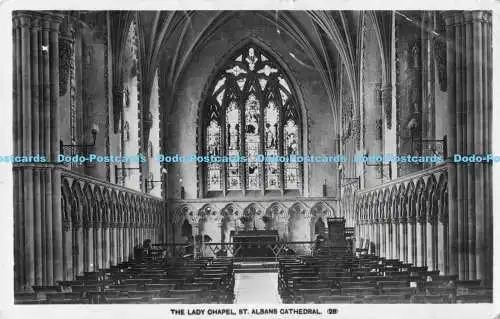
pixel 432 219
pixel 66 224
pixel 77 224
pixel 443 219
pixel 412 220
pixel 477 16
pixel 452 17
pixel 421 219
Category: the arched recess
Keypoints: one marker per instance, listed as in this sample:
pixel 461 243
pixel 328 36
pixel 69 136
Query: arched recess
pixel 230 214
pixel 67 199
pixel 77 212
pixel 184 215
pixel 251 106
pixel 88 240
pixel 210 226
pixel 277 218
pixel 66 202
pixel 252 217
pixel 320 212
pixel 299 223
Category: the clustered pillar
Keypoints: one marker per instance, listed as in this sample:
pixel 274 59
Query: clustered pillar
pixel 469 67
pixel 411 224
pixel 37 198
pixel 444 220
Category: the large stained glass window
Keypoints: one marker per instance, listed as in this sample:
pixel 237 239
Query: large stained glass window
pixel 252 113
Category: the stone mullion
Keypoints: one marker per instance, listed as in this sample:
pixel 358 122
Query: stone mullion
pixel 262 166
pixel 243 148
pixel 223 125
pixel 281 143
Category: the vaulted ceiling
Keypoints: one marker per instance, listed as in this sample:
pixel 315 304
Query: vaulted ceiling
pixel 325 40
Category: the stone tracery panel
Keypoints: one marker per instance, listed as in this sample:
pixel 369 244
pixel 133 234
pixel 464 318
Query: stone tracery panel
pixel 407 219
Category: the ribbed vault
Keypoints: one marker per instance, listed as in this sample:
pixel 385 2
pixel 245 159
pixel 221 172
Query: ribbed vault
pixel 323 41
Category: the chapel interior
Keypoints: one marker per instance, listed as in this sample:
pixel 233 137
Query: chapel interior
pixel 156 84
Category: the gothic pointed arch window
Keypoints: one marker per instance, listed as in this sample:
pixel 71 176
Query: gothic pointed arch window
pixel 251 113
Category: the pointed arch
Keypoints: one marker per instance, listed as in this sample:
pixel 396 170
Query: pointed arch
pixel 250 107
pixel 67 200
pixel 276 209
pixel 185 212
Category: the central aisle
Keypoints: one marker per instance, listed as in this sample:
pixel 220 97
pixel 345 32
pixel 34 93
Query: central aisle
pixel 256 288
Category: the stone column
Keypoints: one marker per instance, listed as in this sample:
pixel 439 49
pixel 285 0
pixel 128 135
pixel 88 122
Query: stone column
pixel 55 135
pixel 67 250
pixel 388 238
pixel 411 240
pixel 80 247
pixel 403 238
pixel 420 240
pixel 120 243
pixel 126 241
pixel 373 231
pixel 395 238
pixel 431 237
pixel 38 221
pixel 98 246
pixel 113 244
pixel 381 236
pixel 442 248
pixel 452 143
pixel 469 109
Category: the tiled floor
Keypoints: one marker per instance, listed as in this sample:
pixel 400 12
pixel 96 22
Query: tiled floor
pixel 256 288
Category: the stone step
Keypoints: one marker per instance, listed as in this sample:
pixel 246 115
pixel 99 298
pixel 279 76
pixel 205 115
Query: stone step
pixel 255 270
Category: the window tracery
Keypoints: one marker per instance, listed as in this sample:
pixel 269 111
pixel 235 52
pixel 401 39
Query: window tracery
pixel 251 113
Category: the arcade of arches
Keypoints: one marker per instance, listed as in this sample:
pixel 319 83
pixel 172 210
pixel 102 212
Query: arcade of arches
pixel 241 84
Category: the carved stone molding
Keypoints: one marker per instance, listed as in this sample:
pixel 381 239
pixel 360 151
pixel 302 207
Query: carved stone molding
pixel 65 57
pixel 386 100
pixel 66 225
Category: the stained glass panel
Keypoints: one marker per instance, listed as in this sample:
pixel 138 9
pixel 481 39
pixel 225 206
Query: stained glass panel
pixel 219 84
pixel 284 83
pixel 213 143
pixel 262 83
pixel 233 144
pixel 271 142
pixel 220 97
pixel 260 133
pixel 252 141
pixel 291 148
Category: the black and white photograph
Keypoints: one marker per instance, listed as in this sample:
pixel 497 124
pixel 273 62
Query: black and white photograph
pixel 293 161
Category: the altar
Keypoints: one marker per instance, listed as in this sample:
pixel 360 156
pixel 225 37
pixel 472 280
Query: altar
pixel 254 243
